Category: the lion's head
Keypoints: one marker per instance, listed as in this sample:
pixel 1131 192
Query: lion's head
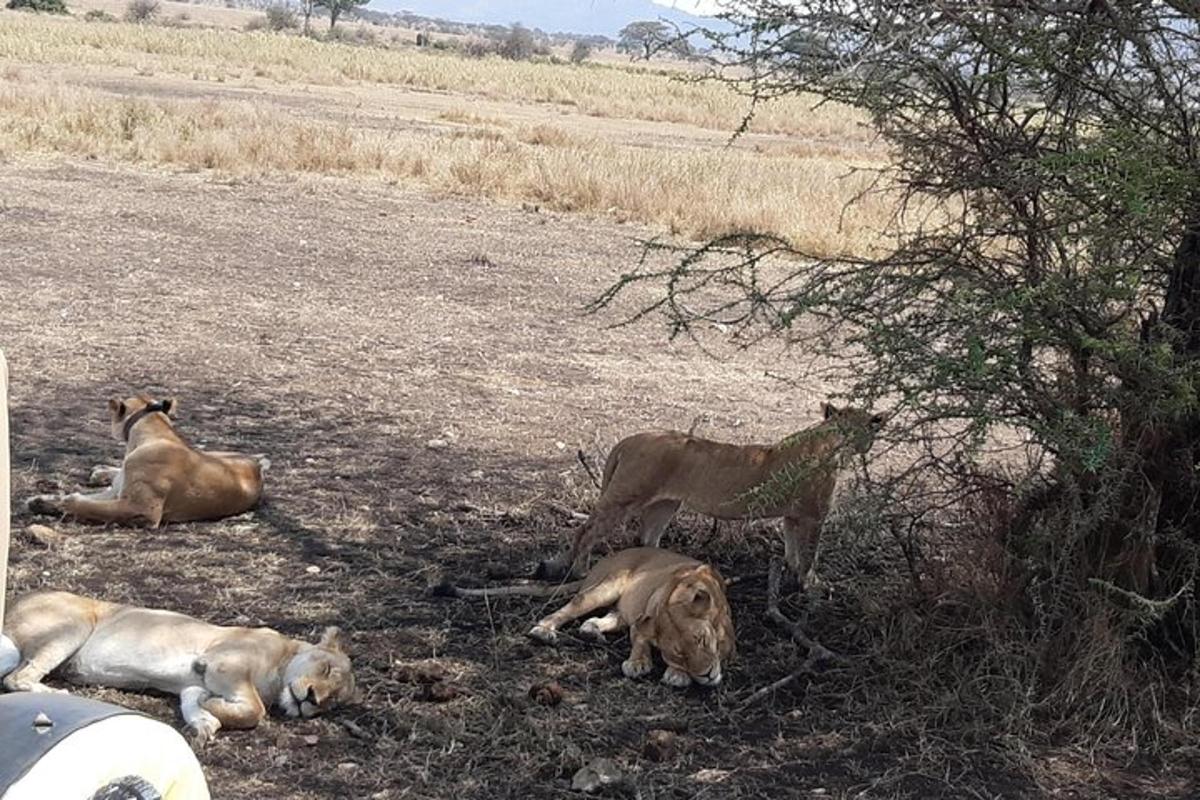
pixel 857 427
pixel 124 413
pixel 689 621
pixel 318 677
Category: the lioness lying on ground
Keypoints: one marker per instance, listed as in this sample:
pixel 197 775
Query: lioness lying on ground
pixel 225 677
pixel 653 474
pixel 668 601
pixel 163 478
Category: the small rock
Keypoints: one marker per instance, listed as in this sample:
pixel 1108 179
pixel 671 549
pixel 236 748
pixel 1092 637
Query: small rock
pixel 437 444
pixel 659 745
pixel 596 775
pixel 710 775
pixel 311 740
pixel 549 693
pixel 347 766
pixel 45 535
pixel 440 692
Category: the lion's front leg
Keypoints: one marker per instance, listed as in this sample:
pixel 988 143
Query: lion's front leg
pixel 232 697
pixel 641 659
pixel 203 724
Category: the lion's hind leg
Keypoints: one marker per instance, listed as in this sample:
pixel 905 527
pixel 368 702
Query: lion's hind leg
pixel 104 475
pixel 655 518
pixel 609 515
pixel 597 627
pixel 589 598
pixel 41 655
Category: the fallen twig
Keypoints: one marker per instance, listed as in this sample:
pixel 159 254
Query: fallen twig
pixel 816 651
pixel 561 509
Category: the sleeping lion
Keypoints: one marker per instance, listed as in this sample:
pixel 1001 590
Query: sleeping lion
pixel 225 677
pixel 668 601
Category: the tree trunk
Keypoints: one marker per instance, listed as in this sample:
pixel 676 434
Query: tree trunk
pixel 1163 497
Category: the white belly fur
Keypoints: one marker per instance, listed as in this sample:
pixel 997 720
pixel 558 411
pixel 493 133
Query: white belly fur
pixel 139 656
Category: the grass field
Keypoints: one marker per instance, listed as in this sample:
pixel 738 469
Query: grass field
pixel 553 135
pixel 370 264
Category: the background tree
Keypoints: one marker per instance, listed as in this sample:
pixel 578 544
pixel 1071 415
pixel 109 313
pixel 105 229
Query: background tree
pixel 50 6
pixel 336 8
pixel 517 44
pixel 1040 285
pixel 640 39
pixel 581 51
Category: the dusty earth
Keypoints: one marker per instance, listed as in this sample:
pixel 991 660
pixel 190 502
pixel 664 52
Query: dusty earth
pixel 420 372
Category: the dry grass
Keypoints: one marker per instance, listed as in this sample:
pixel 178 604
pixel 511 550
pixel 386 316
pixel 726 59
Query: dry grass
pixel 590 89
pixel 692 192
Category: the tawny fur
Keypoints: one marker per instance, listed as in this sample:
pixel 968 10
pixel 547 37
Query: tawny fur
pixel 162 478
pixel 226 677
pixel 668 601
pixel 653 475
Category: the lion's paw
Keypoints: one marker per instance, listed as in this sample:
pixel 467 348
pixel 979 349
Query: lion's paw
pixel 636 669
pixel 202 733
pixel 543 634
pixel 591 627
pixel 676 678
pixel 103 475
pixel 49 504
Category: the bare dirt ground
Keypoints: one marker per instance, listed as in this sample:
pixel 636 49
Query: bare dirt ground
pixel 342 329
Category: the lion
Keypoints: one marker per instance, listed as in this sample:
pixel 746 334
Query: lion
pixel 654 474
pixel 668 601
pixel 226 677
pixel 163 478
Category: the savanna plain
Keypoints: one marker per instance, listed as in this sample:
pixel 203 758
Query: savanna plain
pixel 371 262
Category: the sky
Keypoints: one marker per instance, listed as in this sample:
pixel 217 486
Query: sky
pixel 573 16
pixel 698 7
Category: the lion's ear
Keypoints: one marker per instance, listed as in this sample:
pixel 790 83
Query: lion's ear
pixel 117 407
pixel 334 639
pixel 701 603
pixel 170 407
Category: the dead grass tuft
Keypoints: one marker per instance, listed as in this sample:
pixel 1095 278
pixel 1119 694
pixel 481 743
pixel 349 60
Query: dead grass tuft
pixel 693 193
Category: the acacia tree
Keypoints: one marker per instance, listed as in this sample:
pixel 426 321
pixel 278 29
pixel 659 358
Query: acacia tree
pixel 335 7
pixel 640 39
pixel 1041 275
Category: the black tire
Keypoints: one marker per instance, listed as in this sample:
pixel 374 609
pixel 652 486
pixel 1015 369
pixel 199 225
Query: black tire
pixel 130 787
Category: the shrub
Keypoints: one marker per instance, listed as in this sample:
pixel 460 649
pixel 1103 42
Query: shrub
pixel 478 48
pixel 48 6
pixel 581 52
pixel 141 10
pixel 281 17
pixel 97 15
pixel 256 24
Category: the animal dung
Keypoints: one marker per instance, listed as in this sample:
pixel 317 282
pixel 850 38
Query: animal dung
pixel 659 745
pixel 549 693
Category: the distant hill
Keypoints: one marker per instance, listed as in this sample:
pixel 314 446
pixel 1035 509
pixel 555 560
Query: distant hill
pixel 604 17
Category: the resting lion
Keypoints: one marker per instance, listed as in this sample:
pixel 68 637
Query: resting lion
pixel 653 474
pixel 668 601
pixel 225 677
pixel 163 478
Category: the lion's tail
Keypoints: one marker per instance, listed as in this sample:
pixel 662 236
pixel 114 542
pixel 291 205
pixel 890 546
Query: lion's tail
pixel 10 656
pixel 447 589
